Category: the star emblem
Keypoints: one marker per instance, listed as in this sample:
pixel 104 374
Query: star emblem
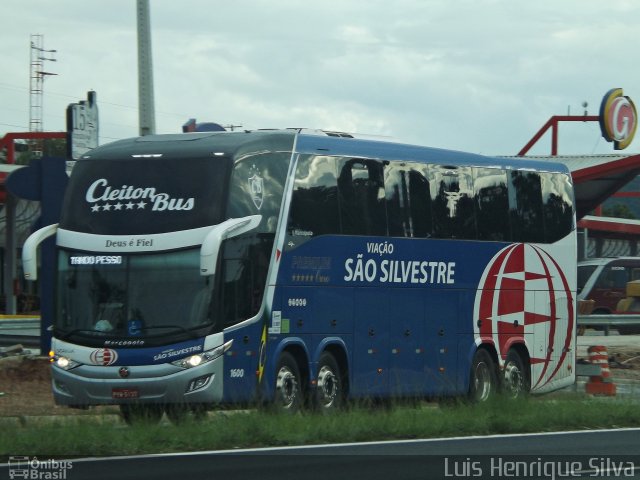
pixel 141 205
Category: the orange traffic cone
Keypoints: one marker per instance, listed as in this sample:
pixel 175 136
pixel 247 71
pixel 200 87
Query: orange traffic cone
pixel 600 384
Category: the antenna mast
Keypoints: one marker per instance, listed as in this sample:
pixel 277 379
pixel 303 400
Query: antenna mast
pixel 36 87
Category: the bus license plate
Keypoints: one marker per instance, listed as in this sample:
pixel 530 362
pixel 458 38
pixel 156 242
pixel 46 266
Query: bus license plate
pixel 124 393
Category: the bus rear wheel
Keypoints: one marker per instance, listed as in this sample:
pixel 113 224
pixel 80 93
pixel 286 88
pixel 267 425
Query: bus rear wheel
pixel 484 380
pixel 329 390
pixel 288 395
pixel 515 381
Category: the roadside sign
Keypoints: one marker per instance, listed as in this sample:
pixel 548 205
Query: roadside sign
pixel 82 126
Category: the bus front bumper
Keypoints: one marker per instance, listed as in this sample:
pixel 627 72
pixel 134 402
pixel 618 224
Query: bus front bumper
pixel 164 384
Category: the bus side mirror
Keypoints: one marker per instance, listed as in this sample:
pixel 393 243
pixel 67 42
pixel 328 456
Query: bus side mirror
pixel 30 250
pixel 227 229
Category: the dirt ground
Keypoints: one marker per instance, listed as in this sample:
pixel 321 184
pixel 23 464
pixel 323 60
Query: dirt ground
pixel 25 383
pixel 25 388
pixel 624 363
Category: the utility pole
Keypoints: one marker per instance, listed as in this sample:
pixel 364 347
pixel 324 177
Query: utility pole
pixel 146 108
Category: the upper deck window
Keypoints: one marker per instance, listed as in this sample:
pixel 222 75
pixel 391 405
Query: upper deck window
pixel 362 197
pixel 314 205
pixel 370 197
pixel 452 200
pixel 408 200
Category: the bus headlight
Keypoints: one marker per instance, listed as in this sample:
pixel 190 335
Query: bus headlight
pixel 65 363
pixel 204 357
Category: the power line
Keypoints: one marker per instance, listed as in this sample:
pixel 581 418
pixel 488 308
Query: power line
pixel 17 126
pixel 102 102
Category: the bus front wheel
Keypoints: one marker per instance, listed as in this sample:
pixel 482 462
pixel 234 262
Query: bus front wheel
pixel 180 413
pixel 288 395
pixel 484 379
pixel 134 414
pixel 329 392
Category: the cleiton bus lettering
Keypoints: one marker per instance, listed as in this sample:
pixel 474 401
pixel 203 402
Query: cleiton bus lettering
pixel 101 191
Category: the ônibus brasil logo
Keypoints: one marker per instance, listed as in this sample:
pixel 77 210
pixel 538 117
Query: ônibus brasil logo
pixel 524 297
pixel 104 197
pixel 103 356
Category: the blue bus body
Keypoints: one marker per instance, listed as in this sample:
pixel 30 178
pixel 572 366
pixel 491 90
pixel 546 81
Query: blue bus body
pixel 402 311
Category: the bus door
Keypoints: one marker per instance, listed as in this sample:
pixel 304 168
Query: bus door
pixel 441 337
pixel 241 363
pixel 407 348
pixel 550 340
pixel 371 343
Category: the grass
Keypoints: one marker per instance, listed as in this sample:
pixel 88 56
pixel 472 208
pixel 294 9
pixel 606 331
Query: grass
pixel 89 436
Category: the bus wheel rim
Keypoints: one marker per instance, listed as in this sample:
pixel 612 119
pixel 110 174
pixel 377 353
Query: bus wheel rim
pixel 483 381
pixel 287 385
pixel 513 379
pixel 327 387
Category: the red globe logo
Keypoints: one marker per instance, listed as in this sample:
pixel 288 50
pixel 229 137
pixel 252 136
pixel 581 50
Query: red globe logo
pixel 524 297
pixel 104 356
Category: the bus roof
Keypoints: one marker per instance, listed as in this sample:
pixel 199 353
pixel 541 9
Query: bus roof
pixel 179 145
pixel 384 149
pixel 307 142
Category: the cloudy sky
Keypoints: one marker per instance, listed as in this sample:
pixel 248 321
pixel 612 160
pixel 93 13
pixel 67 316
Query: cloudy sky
pixel 475 75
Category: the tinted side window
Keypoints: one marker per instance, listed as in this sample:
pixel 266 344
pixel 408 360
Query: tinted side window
pixel 557 205
pixel 452 202
pixel 256 188
pixel 244 266
pixel 408 200
pixel 525 206
pixel 492 204
pixel 362 197
pixel 314 204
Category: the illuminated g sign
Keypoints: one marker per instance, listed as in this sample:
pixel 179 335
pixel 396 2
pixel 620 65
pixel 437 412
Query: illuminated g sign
pixel 618 119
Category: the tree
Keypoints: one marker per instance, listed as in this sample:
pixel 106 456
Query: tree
pixel 618 210
pixel 52 147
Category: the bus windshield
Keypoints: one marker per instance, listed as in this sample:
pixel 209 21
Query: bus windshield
pixel 132 298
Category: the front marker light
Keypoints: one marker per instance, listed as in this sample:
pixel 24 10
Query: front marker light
pixel 204 357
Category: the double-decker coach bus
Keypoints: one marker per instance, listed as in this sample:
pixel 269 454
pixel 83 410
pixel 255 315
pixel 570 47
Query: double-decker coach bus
pixel 301 267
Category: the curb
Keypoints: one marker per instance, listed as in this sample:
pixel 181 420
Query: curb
pixel 21 421
pixel 113 419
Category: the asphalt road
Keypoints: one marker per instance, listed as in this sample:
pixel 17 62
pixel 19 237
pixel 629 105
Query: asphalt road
pixel 591 454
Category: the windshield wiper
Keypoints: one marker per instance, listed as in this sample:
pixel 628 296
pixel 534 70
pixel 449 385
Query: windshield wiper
pixel 189 331
pixel 93 333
